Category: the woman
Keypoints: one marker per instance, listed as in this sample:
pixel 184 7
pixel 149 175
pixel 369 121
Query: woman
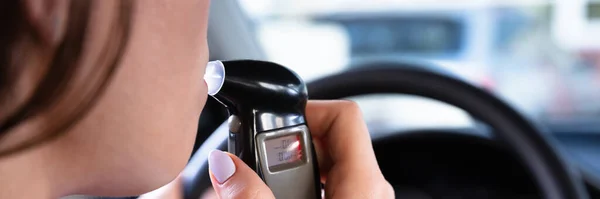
pixel 103 97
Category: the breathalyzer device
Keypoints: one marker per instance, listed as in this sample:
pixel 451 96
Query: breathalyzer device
pixel 267 126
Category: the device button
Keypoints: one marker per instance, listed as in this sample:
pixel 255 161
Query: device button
pixel 234 124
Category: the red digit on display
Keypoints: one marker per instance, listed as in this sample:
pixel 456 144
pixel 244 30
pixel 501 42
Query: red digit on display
pixel 299 147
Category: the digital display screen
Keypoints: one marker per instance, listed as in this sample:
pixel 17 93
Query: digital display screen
pixel 284 150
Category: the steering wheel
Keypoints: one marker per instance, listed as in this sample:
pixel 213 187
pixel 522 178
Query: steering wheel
pixel 554 177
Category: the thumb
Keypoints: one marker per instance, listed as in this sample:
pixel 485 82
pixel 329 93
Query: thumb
pixel 232 179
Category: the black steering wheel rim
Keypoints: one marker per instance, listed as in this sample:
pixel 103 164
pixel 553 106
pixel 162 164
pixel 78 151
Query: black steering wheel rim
pixel 555 178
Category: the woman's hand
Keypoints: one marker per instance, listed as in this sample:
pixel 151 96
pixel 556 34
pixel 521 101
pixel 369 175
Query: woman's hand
pixel 346 159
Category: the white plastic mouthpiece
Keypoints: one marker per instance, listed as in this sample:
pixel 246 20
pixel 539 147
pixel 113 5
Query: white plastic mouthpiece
pixel 214 76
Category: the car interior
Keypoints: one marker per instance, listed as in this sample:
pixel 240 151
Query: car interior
pixel 442 126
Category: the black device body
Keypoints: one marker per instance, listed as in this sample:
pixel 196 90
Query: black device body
pixel 267 99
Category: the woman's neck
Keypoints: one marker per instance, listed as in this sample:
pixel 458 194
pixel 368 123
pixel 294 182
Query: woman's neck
pixel 32 174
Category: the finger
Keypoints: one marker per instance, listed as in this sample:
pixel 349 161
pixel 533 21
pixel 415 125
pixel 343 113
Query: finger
pixel 232 179
pixel 343 143
pixel 209 194
pixel 338 127
pixel 323 158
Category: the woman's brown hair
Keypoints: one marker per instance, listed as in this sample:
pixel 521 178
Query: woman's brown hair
pixel 62 80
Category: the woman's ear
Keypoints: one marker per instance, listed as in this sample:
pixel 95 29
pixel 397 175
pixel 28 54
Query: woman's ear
pixel 48 18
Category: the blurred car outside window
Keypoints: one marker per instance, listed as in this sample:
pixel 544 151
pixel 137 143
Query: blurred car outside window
pixel 541 56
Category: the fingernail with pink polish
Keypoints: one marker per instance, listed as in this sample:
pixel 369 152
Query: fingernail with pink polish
pixel 221 165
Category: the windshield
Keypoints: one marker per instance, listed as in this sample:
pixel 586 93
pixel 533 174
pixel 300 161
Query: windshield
pixel 543 57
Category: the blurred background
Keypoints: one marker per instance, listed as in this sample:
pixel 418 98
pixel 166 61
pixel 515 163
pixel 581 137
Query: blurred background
pixel 541 56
